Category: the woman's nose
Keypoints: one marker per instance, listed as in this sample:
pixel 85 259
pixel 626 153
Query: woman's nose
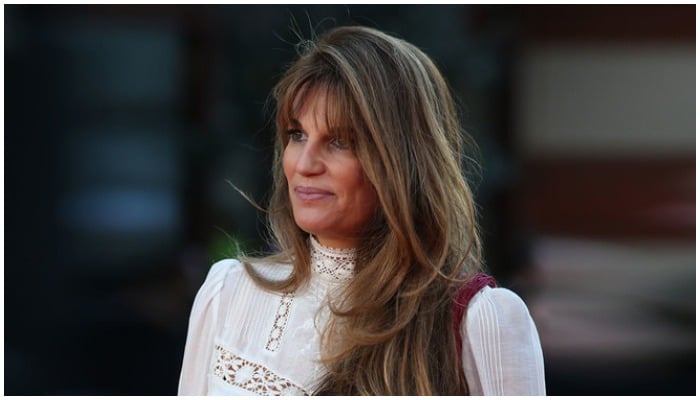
pixel 310 161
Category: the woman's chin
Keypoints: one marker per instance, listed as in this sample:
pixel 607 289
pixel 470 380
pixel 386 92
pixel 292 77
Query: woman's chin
pixel 313 227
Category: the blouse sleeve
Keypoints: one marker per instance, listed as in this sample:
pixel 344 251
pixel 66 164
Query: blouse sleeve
pixel 501 353
pixel 201 332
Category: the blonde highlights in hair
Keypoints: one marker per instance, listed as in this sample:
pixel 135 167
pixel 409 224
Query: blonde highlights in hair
pixel 391 331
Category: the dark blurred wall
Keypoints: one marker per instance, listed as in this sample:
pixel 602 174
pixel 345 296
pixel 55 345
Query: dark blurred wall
pixel 125 124
pixel 604 129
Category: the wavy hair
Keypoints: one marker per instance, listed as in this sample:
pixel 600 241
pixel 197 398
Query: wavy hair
pixel 391 331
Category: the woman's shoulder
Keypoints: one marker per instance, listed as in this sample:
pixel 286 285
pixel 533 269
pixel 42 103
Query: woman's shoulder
pixel 498 303
pixel 233 268
pixel 229 276
pixel 214 280
pixel 221 268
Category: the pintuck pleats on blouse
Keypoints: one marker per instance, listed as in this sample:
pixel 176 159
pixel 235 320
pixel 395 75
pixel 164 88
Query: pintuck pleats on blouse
pixel 243 340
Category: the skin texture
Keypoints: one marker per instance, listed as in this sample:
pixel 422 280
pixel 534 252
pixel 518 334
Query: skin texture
pixel 330 194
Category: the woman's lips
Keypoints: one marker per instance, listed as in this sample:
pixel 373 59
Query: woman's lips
pixel 309 193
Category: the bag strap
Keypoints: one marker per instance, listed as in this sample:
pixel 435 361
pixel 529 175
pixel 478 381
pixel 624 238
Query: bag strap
pixel 462 299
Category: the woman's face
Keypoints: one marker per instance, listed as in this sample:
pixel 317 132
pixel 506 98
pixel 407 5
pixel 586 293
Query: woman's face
pixel 330 194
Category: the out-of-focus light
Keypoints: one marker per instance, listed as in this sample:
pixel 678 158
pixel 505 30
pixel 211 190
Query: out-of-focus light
pixel 120 210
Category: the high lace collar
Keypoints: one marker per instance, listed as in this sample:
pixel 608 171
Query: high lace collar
pixel 331 263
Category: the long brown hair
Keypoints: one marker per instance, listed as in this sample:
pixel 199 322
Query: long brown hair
pixel 391 332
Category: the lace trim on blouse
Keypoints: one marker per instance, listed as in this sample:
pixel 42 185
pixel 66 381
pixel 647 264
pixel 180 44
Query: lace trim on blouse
pixel 275 337
pixel 336 264
pixel 252 377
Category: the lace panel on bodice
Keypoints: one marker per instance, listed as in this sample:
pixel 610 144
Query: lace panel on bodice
pixel 252 377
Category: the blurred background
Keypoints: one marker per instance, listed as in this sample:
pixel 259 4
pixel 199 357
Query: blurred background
pixel 124 125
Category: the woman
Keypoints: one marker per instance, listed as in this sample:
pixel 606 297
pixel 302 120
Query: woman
pixel 377 235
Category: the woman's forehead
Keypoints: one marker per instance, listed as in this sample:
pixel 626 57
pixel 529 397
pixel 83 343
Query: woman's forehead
pixel 322 105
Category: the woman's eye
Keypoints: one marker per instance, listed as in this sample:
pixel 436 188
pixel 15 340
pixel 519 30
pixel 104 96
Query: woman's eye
pixel 340 144
pixel 295 135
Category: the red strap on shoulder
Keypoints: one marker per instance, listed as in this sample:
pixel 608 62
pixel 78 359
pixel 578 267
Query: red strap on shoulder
pixel 462 299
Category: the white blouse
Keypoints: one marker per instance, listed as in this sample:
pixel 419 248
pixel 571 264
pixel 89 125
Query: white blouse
pixel 243 340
